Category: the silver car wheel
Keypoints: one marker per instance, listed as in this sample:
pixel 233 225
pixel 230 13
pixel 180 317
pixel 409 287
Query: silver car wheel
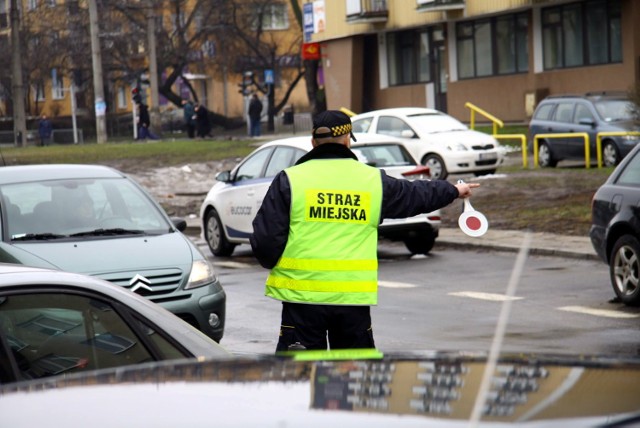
pixel 625 266
pixel 436 167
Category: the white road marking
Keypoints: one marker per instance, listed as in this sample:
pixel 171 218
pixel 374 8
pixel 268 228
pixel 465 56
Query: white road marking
pixel 391 284
pixel 484 296
pixel 598 312
pixel 232 265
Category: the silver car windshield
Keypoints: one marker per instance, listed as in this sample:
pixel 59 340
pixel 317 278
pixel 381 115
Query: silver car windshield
pixel 81 207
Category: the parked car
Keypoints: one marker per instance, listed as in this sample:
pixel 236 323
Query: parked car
pixel 592 113
pixel 96 221
pixel 60 323
pixel 231 205
pixel 615 227
pixel 319 390
pixel 436 140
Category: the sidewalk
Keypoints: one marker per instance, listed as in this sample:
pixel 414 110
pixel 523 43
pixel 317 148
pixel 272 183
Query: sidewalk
pixel 547 244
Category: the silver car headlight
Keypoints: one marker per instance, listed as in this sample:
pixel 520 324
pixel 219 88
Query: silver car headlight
pixel 457 147
pixel 202 273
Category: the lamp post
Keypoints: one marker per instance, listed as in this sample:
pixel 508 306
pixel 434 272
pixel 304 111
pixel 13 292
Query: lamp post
pixel 98 86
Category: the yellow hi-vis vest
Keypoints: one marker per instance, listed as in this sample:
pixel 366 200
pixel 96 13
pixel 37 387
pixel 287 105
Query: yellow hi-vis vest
pixel 331 253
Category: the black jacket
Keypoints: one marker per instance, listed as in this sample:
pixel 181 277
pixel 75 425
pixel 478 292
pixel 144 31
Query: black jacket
pixel 255 109
pixel 400 199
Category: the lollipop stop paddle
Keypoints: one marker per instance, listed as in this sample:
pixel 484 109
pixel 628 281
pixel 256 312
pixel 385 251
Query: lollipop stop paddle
pixel 471 222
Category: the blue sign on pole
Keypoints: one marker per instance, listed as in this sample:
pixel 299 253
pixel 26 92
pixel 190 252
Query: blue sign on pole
pixel 307 9
pixel 268 77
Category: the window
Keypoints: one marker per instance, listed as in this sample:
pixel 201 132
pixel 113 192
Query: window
pixel 57 85
pixel 362 125
pixel 564 112
pixel 283 157
pixel 409 57
pixel 32 4
pixel 393 126
pixel 544 112
pixel 273 16
pixel 583 113
pixel 493 46
pixel 579 34
pixel 253 166
pixel 122 97
pixel 51 333
pixel 38 92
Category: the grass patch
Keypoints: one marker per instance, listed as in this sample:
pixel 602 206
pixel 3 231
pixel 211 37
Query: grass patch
pixel 152 153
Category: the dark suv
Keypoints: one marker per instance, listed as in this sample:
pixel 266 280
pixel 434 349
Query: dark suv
pixel 615 227
pixel 591 113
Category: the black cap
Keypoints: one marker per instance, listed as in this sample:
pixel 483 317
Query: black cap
pixel 332 123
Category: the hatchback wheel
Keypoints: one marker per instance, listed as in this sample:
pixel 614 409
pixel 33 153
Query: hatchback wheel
pixel 610 154
pixel 436 166
pixel 420 244
pixel 545 158
pixel 214 235
pixel 624 266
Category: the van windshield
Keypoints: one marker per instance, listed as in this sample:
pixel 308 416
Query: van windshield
pixel 615 110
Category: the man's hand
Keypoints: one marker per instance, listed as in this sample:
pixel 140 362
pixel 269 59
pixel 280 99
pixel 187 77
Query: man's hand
pixel 464 189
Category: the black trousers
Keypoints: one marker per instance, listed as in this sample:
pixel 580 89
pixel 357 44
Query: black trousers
pixel 312 326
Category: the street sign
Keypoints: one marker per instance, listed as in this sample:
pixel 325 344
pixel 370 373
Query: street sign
pixel 308 21
pixel 268 77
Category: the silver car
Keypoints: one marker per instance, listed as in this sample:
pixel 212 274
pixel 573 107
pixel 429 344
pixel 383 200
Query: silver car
pixel 57 322
pixel 229 208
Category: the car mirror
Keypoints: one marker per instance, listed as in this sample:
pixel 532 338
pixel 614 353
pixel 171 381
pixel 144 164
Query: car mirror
pixel 587 121
pixel 179 223
pixel 407 133
pixel 224 176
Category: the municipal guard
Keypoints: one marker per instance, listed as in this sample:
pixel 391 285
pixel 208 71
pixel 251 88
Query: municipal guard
pixel 317 230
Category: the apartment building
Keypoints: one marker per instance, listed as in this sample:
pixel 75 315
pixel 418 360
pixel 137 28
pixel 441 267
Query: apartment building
pixel 501 55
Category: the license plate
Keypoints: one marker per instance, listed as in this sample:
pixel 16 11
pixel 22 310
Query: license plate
pixel 485 156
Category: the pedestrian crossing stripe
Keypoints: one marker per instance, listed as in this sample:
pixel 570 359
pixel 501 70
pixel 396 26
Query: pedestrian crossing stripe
pixel 391 284
pixel 599 312
pixel 485 296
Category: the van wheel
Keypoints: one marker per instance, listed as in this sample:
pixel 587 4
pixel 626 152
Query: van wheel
pixel 610 154
pixel 624 267
pixel 214 235
pixel 545 158
pixel 436 166
pixel 420 244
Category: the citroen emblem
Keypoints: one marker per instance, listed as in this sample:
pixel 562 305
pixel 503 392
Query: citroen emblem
pixel 138 282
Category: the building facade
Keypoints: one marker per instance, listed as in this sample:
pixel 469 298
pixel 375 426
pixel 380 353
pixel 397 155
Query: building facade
pixel 503 56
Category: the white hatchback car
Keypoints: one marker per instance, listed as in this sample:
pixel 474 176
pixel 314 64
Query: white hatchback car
pixel 228 211
pixel 435 139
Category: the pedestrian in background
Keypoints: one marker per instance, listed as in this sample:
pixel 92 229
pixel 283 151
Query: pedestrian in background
pixel 255 115
pixel 317 230
pixel 189 117
pixel 203 125
pixel 144 123
pixel 45 129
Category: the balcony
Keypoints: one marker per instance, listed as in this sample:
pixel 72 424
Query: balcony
pixel 439 5
pixel 366 11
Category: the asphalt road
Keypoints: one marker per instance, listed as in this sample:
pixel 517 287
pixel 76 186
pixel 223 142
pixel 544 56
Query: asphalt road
pixel 452 300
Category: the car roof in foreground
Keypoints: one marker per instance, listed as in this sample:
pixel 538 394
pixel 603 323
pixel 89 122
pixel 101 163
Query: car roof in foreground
pixel 41 172
pixel 399 111
pixel 304 142
pixel 339 389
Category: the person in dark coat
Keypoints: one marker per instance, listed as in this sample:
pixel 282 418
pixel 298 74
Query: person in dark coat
pixel 144 123
pixel 45 129
pixel 203 126
pixel 189 117
pixel 255 114
pixel 316 230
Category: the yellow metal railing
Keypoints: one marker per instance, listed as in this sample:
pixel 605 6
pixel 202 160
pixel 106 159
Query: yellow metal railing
pixel 523 143
pixel 475 109
pixel 607 134
pixel 583 135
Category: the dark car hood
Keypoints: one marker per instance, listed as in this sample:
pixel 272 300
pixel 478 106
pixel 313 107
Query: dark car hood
pixel 400 391
pixel 97 256
pixel 622 125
